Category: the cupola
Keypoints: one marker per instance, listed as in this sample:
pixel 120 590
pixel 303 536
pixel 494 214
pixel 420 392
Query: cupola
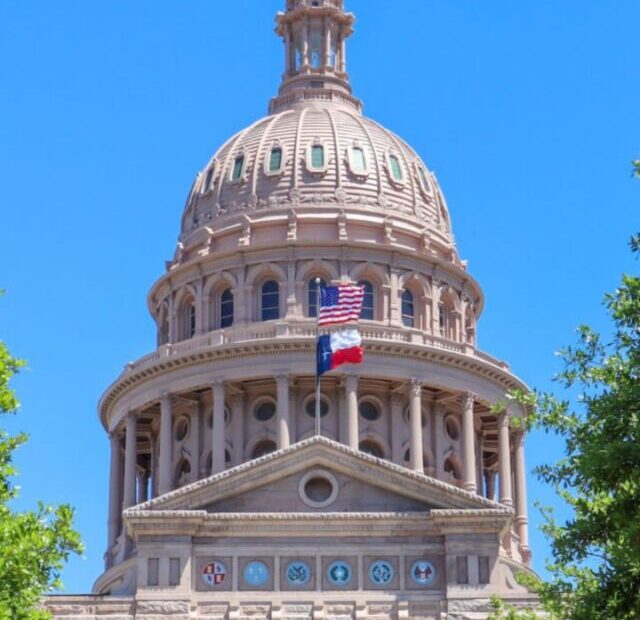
pixel 314 33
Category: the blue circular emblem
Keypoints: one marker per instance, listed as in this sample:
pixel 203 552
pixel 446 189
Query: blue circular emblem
pixel 298 573
pixel 423 572
pixel 339 573
pixel 256 573
pixel 381 572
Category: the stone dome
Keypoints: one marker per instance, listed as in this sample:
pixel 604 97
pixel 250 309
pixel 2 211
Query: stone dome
pixel 317 152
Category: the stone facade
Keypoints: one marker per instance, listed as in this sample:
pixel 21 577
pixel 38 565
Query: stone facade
pixel 223 501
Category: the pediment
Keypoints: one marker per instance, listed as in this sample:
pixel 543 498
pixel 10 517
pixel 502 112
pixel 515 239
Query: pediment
pixel 272 484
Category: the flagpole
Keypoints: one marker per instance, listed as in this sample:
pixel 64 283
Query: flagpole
pixel 317 414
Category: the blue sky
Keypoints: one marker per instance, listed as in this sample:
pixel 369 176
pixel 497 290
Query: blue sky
pixel 527 111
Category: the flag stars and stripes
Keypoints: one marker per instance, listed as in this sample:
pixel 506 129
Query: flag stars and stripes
pixel 340 304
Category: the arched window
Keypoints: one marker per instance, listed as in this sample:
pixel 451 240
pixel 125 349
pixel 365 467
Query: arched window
pixel 408 312
pixel 270 301
pixel 183 470
pixel 163 326
pixel 275 159
pixel 265 446
pixel 371 447
pixel 451 468
pixel 367 301
pixel 226 308
pixel 187 318
pixel 396 168
pixel 312 293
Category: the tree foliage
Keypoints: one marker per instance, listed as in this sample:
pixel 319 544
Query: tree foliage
pixel 34 545
pixel 596 552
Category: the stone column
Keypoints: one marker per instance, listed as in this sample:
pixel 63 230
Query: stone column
pixel 217 431
pixel 166 445
pixel 521 520
pixel 305 45
pixel 129 495
pixel 415 422
pixel 194 441
pixel 351 391
pixel 438 436
pixel 282 383
pixel 491 484
pixel 468 445
pixel 343 54
pixel 115 490
pixel 237 419
pixel 396 424
pixel 154 464
pixel 342 414
pixel 504 457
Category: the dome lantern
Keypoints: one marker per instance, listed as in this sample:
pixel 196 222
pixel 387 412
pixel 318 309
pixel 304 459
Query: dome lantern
pixel 314 33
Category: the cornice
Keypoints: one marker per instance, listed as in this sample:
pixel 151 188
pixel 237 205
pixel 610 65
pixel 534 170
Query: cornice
pixel 288 345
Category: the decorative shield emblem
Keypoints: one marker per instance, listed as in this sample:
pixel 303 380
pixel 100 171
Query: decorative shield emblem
pixel 381 572
pixel 256 573
pixel 213 574
pixel 339 573
pixel 423 572
pixel 298 573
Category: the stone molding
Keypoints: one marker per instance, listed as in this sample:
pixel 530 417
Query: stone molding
pixel 303 455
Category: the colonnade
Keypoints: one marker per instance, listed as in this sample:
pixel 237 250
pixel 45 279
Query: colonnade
pixel 124 480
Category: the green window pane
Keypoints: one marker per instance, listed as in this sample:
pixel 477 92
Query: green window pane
pixel 357 158
pixel 238 164
pixel 396 170
pixel 317 156
pixel 275 160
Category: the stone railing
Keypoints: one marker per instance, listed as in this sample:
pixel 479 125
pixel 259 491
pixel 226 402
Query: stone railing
pixel 304 330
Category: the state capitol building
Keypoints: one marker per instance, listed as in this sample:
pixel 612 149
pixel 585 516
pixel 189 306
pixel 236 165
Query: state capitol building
pixel 223 501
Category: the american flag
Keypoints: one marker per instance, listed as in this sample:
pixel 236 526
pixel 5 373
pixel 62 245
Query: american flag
pixel 340 304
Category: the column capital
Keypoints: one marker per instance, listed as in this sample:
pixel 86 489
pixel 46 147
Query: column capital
pixel 504 417
pixel 351 382
pixel 283 378
pixel 217 385
pixel 165 398
pixel 237 400
pixel 469 398
pixel 415 387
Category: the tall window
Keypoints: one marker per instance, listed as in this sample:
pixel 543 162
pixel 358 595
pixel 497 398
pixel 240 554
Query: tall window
pixel 238 166
pixel 270 301
pixel 442 320
pixel 191 321
pixel 408 315
pixel 367 311
pixel 357 159
pixel 312 293
pixel 275 159
pixel 317 156
pixel 226 308
pixel 396 169
pixel 315 45
pixel 208 179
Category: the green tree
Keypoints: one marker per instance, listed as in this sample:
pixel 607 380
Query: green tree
pixel 33 545
pixel 596 553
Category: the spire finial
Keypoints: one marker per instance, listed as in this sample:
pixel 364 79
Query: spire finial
pixel 314 34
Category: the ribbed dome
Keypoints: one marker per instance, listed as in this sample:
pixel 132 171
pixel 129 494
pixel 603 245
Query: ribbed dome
pixel 316 153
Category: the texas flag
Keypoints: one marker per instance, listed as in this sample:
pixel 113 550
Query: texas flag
pixel 343 347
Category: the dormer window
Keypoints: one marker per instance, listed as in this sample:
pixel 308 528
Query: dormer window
pixel 275 159
pixel 357 160
pixel 424 179
pixel 207 181
pixel 395 167
pixel 317 157
pixel 238 168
